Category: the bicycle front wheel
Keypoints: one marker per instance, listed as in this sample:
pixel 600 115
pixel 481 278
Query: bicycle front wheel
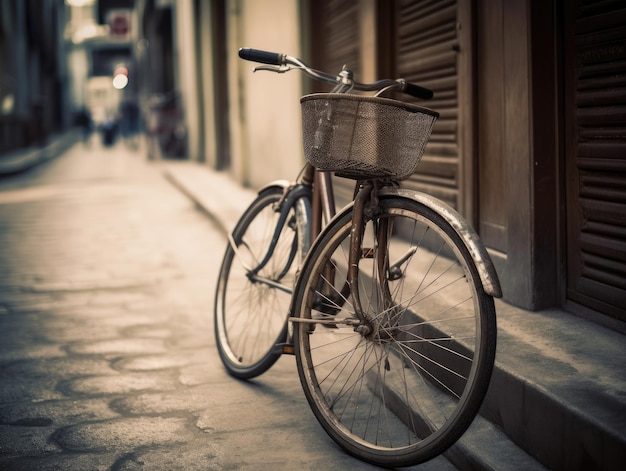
pixel 252 297
pixel 406 390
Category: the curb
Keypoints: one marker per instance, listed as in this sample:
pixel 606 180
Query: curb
pixel 216 194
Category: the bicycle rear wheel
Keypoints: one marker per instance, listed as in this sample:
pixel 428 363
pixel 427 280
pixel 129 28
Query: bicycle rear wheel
pixel 405 392
pixel 251 305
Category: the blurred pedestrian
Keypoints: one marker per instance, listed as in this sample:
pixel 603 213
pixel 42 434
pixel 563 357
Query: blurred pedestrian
pixel 130 119
pixel 83 119
pixel 109 129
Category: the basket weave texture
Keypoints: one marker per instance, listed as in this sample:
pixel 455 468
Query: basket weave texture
pixel 363 137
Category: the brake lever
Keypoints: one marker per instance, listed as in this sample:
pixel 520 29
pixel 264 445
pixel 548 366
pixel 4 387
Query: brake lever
pixel 279 69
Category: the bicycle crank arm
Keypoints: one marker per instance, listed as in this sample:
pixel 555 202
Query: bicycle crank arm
pixel 274 284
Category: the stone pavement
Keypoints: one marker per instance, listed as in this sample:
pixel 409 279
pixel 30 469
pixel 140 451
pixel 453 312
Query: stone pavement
pixel 107 357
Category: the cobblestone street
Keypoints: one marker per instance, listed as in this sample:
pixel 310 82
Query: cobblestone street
pixel 107 357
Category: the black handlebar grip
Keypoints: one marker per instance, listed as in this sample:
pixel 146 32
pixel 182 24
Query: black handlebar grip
pixel 417 91
pixel 264 57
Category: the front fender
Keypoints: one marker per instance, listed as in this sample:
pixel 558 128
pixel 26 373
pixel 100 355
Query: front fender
pixel 284 184
pixel 474 245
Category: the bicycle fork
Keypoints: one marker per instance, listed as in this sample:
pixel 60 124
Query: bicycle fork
pixel 366 207
pixel 357 230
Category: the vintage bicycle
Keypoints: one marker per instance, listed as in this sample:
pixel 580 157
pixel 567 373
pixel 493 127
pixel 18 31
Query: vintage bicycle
pixel 387 304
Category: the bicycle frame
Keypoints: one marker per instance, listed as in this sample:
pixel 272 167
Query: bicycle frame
pixel 312 196
pixel 314 193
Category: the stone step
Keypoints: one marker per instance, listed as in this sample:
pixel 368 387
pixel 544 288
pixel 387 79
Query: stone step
pixel 559 389
pixel 485 447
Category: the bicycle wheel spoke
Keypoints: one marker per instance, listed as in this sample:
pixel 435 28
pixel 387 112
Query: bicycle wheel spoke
pixel 341 300
pixel 349 384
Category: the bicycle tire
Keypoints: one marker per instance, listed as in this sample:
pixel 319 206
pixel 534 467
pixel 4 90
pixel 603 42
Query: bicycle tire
pixel 250 317
pixel 404 393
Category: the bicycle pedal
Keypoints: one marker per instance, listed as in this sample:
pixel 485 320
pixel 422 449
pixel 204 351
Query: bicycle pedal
pixel 285 349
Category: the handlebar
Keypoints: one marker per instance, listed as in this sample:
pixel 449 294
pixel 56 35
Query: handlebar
pixel 263 57
pixel 280 63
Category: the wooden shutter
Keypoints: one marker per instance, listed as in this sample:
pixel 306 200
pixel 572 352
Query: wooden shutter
pixel 417 40
pixel 335 37
pixel 336 40
pixel 425 41
pixel 595 114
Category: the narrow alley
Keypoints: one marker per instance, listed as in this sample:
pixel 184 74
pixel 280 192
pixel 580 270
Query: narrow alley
pixel 107 357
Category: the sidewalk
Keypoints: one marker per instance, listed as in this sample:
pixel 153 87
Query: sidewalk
pixel 559 387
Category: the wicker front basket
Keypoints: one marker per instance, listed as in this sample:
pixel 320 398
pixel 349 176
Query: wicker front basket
pixel 364 137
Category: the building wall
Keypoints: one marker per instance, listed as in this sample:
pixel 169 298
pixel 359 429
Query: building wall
pixel 186 76
pixel 264 110
pixel 207 76
pixel 33 88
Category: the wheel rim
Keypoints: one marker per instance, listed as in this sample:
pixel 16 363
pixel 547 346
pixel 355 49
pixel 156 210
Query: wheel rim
pixel 251 316
pixel 412 386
